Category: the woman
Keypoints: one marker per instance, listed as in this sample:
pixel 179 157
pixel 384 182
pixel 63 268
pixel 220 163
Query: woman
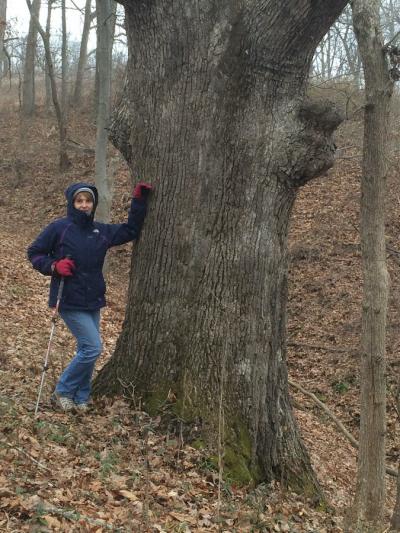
pixel 74 248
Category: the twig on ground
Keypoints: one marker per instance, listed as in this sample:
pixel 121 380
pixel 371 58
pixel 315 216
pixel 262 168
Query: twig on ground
pixel 146 501
pixel 75 516
pixel 20 450
pixel 338 423
pixel 320 347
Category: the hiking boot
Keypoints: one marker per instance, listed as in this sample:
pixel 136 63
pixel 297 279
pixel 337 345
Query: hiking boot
pixel 81 407
pixel 62 402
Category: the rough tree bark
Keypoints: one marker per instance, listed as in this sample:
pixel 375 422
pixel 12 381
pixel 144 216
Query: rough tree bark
pixel 28 83
pixel 368 508
pixel 213 113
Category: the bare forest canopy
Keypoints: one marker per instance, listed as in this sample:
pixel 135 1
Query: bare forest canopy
pixel 336 57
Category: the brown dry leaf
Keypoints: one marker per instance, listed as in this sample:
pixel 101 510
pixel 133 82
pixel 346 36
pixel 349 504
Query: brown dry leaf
pixel 96 485
pixel 34 441
pixel 6 492
pixel 10 503
pixel 205 522
pixel 52 522
pixel 32 502
pixel 183 518
pixel 128 495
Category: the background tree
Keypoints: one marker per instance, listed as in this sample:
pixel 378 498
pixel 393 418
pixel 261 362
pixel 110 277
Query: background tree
pixel 214 114
pixel 105 10
pixel 3 23
pixel 82 54
pixel 64 63
pixel 61 121
pixel 368 508
pixel 28 85
pixel 48 100
pixel 337 55
pixel 390 18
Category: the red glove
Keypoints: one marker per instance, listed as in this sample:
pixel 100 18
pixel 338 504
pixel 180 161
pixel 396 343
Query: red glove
pixel 64 267
pixel 142 190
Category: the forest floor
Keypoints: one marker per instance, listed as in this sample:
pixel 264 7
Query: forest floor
pixel 114 469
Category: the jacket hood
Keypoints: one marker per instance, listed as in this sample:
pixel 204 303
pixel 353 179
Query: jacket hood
pixel 77 215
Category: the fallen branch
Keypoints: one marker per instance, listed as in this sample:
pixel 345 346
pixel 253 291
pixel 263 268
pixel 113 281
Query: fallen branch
pixel 75 145
pixel 20 450
pixel 320 347
pixel 76 516
pixel 338 423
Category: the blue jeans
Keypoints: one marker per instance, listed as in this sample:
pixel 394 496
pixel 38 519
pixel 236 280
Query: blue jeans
pixel 75 381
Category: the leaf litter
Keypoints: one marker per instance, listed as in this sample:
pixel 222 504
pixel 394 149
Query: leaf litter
pixel 102 471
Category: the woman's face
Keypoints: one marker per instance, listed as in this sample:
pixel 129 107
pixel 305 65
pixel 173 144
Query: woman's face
pixel 84 202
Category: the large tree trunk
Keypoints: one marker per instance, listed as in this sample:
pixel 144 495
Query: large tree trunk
pixel 28 85
pixel 368 508
pixel 213 114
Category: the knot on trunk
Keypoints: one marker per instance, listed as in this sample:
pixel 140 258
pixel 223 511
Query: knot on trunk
pixel 121 127
pixel 394 59
pixel 321 115
pixel 310 146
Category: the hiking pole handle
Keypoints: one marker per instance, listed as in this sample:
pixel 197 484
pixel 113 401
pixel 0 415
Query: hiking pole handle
pixel 61 288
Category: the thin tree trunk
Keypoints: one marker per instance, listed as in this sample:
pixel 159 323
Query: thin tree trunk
pixel 368 508
pixel 82 55
pixel 3 23
pixel 64 74
pixel 213 113
pixel 64 162
pixel 352 57
pixel 28 85
pixel 47 76
pixel 105 24
pixel 392 20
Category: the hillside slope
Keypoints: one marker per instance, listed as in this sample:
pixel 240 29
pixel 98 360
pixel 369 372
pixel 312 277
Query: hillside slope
pixel 106 466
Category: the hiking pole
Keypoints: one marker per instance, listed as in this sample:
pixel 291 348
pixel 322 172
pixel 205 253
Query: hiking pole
pixel 53 327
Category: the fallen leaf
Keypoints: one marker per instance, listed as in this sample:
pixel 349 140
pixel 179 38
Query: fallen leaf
pixel 129 495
